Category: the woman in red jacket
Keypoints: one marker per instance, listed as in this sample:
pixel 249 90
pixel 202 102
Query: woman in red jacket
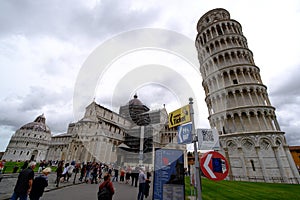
pixel 106 189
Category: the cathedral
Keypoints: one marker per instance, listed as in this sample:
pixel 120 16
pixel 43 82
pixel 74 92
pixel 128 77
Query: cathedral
pixel 101 135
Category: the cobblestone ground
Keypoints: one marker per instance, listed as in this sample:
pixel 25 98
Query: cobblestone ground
pixel 9 180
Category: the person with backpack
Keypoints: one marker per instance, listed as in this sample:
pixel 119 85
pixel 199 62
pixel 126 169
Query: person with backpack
pixel 106 189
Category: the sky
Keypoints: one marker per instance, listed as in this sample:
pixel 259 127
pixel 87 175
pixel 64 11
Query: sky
pixel 44 46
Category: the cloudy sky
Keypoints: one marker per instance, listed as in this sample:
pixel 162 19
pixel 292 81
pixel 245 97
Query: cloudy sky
pixel 45 44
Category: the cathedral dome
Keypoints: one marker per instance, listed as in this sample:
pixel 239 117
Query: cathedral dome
pixel 135 101
pixel 39 124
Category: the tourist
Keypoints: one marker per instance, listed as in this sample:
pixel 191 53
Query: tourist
pixel 39 184
pixel 24 183
pixel 88 172
pixel 142 184
pixel 70 170
pixel 128 174
pixel 116 175
pixel 59 172
pixel 2 163
pixel 94 173
pixel 65 173
pixel 147 186
pixel 82 172
pixel 106 189
pixel 134 176
pixel 122 175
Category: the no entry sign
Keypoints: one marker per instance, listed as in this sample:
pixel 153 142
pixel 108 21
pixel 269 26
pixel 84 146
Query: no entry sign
pixel 214 166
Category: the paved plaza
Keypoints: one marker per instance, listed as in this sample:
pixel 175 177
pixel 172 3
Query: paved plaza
pixel 68 190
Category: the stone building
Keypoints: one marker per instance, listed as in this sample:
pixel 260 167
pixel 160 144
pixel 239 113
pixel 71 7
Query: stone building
pixel 30 142
pixel 101 135
pixel 295 151
pixel 238 103
pixel 105 136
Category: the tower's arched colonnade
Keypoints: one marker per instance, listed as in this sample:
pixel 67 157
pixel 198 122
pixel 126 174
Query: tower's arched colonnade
pixel 238 103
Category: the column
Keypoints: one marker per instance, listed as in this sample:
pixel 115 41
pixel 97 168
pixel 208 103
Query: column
pixel 233 122
pixel 248 91
pixel 280 165
pixel 265 122
pixel 262 164
pixel 243 97
pixel 141 145
pixel 242 158
pixel 228 160
pixel 258 122
pixel 234 96
pixel 276 123
pixel 242 122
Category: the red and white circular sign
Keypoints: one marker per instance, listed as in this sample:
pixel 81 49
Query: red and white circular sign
pixel 214 166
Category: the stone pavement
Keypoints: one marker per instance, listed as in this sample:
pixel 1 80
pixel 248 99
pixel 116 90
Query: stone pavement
pixel 9 181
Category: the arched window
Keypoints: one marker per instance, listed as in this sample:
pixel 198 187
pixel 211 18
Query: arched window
pixel 252 164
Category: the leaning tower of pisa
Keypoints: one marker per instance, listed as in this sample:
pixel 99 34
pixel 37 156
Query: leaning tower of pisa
pixel 238 103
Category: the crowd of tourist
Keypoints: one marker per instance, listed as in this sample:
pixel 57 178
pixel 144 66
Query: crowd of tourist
pixel 90 173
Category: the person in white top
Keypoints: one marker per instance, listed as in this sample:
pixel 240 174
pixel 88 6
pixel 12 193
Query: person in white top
pixel 142 184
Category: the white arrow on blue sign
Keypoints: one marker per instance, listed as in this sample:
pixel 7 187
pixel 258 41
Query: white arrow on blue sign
pixel 185 134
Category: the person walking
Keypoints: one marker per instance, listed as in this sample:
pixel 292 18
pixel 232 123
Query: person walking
pixel 82 172
pixel 24 183
pixel 122 175
pixel 2 163
pixel 94 173
pixel 128 175
pixel 116 175
pixel 106 189
pixel 147 185
pixel 59 172
pixel 134 176
pixel 39 184
pixel 142 185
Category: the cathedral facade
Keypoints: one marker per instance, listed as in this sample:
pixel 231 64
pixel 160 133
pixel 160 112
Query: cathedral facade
pixel 238 103
pixel 101 135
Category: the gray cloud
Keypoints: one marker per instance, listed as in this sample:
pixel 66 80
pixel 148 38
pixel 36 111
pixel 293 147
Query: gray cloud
pixel 69 19
pixel 286 98
pixel 78 28
pixel 17 111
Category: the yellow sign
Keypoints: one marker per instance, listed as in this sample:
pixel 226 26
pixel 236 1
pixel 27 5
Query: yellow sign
pixel 179 116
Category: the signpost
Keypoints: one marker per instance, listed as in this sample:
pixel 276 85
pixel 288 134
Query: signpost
pixel 197 168
pixel 179 116
pixel 208 139
pixel 185 134
pixel 168 181
pixel 214 166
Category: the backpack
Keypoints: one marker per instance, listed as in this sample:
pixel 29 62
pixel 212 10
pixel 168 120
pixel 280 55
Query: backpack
pixel 104 193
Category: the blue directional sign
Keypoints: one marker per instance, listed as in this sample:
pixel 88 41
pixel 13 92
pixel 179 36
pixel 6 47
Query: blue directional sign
pixel 184 134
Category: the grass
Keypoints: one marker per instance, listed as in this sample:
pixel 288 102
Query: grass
pixel 9 166
pixel 245 190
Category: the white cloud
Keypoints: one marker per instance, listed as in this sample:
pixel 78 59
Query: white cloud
pixel 44 43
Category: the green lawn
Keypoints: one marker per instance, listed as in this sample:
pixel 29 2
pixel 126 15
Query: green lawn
pixel 10 165
pixel 246 190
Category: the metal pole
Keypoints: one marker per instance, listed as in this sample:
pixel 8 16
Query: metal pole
pixel 197 167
